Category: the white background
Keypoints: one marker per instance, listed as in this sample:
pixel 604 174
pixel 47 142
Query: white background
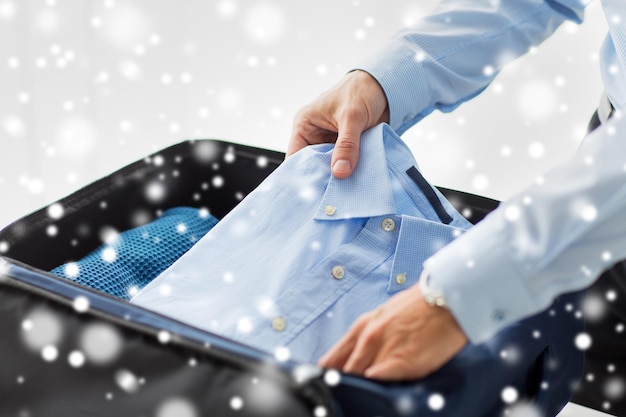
pixel 87 87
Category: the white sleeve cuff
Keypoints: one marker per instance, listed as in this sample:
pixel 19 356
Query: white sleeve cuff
pixel 483 287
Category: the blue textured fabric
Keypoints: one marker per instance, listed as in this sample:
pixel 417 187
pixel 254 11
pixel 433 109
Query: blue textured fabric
pixel 123 267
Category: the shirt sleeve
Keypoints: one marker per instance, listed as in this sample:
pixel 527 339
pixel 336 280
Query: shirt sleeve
pixel 556 236
pixel 450 56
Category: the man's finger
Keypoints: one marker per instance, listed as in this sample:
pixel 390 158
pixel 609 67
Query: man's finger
pixel 364 353
pixel 296 143
pixel 346 152
pixel 390 369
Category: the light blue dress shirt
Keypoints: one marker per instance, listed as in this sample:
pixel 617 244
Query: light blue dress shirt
pixel 557 235
pixel 305 254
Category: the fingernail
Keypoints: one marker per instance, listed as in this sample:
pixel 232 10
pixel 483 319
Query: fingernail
pixel 342 166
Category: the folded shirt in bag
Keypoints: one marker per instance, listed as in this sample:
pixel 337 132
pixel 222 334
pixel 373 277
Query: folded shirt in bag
pixel 305 254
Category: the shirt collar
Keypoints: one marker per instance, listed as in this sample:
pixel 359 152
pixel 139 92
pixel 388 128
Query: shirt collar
pixel 367 192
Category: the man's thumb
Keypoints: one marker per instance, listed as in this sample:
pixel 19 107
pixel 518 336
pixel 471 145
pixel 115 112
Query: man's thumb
pixel 346 153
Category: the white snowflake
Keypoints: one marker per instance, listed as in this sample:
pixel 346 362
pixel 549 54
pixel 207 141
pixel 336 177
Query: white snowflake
pixel 512 212
pixel 7 10
pixel 265 23
pixel 594 307
pixel 56 211
pixel 13 125
pixel 226 8
pixel 588 213
pixel 229 99
pixel 511 354
pixel 49 353
pixel 41 328
pixel 583 341
pixel 109 254
pixel 536 150
pixel 4 246
pixel 81 304
pixel 480 182
pixel 177 407
pixel 405 404
pixel 282 354
pixel 181 228
pixel 217 181
pixel 127 381
pixel 155 191
pixel 76 359
pixel 436 402
pixel 186 77
pixel 130 70
pixel 164 336
pixel 614 388
pixel 125 25
pixel 76 138
pixel 155 39
pixel 509 395
pixel 537 99
pixel 236 403
pixel 166 79
pixel 245 325
pixel 101 343
pixel 524 410
pixel 320 411
pixel 48 21
pixel 206 151
pixel 332 377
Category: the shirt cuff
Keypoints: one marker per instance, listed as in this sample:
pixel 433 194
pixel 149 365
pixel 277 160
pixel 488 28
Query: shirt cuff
pixel 482 285
pixel 397 69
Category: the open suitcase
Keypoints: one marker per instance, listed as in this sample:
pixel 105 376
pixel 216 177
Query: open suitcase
pixel 158 366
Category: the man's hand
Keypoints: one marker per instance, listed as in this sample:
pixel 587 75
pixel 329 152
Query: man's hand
pixel 404 338
pixel 340 115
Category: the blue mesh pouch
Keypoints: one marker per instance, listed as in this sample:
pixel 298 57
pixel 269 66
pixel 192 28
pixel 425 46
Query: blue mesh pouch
pixel 137 256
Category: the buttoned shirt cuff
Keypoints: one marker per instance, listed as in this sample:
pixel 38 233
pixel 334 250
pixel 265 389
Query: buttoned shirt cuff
pixel 482 285
pixel 397 70
pixel 412 248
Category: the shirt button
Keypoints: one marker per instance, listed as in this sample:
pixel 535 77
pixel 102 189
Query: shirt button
pixel 388 225
pixel 338 272
pixel 330 210
pixel 401 279
pixel 279 324
pixel 499 315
